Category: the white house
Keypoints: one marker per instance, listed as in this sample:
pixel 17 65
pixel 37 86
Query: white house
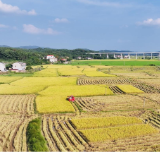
pixel 2 67
pixel 88 58
pixel 79 58
pixel 20 66
pixel 51 58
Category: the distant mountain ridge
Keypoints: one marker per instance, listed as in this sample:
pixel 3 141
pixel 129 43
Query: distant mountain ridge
pixel 29 47
pixel 4 46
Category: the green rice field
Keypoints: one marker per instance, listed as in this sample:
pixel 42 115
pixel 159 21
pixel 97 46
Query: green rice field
pixel 117 62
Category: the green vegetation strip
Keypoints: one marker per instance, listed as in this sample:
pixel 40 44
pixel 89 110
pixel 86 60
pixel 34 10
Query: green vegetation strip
pixel 35 140
pixel 118 62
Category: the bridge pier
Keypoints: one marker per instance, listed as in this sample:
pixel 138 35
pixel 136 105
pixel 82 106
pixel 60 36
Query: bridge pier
pixel 143 56
pixel 136 56
pixel 107 56
pixel 121 56
pixel 151 55
pixel 129 56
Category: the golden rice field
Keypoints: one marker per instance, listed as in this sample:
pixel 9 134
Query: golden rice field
pixel 45 81
pixel 46 73
pixel 129 89
pixel 9 89
pixel 8 79
pixel 98 120
pixel 92 72
pixel 85 123
pixel 70 71
pixel 91 90
pixel 114 133
pixel 53 104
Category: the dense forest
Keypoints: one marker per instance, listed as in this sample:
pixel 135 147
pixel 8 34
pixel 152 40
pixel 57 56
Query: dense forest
pixel 36 56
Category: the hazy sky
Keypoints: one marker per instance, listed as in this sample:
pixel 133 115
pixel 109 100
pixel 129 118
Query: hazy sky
pixel 93 24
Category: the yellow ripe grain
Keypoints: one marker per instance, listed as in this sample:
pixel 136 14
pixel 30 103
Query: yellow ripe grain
pixel 114 133
pixel 129 89
pixel 90 90
pixel 46 81
pixel 92 72
pixel 46 73
pixel 4 79
pixel 104 122
pixel 70 71
pixel 9 89
pixel 53 104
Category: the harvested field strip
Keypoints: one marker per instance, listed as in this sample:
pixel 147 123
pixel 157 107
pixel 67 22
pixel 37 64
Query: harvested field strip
pixel 86 123
pixel 147 143
pixel 116 90
pixel 13 132
pixel 152 118
pixel 114 133
pixel 20 104
pixel 61 136
pixel 103 81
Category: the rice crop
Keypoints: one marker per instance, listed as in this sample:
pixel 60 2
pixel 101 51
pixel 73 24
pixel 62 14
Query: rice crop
pixel 129 89
pixel 114 133
pixel 92 72
pixel 46 73
pixel 53 104
pixel 9 89
pixel 76 90
pixel 104 122
pixel 70 71
pixel 45 81
pixel 8 79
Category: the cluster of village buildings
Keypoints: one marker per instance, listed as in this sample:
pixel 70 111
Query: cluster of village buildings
pixel 21 67
pixel 17 67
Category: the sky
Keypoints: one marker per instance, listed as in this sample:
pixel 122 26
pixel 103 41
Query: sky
pixel 93 24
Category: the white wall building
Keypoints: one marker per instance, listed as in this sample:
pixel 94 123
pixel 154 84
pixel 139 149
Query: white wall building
pixel 51 58
pixel 19 66
pixel 2 67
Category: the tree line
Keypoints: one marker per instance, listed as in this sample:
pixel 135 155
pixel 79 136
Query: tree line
pixel 37 56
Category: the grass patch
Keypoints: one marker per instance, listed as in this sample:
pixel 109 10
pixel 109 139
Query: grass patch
pixel 35 140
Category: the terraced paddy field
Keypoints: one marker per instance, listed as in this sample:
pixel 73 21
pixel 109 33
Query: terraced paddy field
pixel 113 111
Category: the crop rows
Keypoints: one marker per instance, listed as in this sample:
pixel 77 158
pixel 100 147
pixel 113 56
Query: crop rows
pixel 22 104
pixel 116 90
pixel 111 103
pixel 13 133
pixel 88 104
pixel 147 88
pixel 85 81
pixel 148 143
pixel 16 112
pixel 152 118
pixel 61 136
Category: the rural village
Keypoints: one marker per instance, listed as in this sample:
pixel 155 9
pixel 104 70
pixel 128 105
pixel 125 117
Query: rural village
pixel 79 79
pixel 83 106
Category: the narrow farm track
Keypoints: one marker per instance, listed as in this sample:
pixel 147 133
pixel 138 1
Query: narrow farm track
pixel 16 111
